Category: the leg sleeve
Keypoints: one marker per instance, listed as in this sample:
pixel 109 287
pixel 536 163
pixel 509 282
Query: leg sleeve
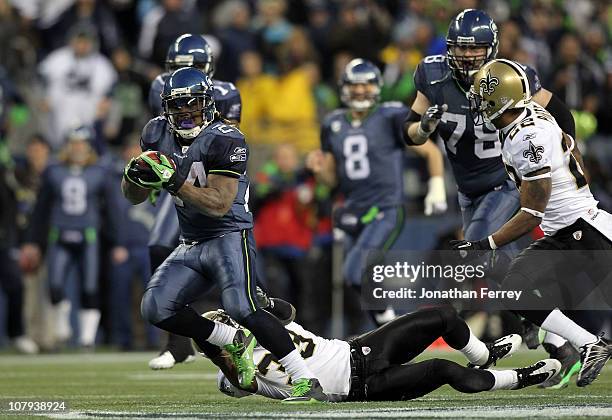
pixel 402 339
pixel 407 382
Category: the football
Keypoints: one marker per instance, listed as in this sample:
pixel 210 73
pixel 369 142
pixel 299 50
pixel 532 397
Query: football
pixel 156 156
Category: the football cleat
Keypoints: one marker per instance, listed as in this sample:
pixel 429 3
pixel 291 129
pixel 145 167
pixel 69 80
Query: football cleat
pixel 306 391
pixel 241 352
pixel 167 361
pixel 500 348
pixel 593 357
pixel 570 365
pixel 537 373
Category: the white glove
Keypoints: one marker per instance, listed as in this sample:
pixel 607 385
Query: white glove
pixel 435 200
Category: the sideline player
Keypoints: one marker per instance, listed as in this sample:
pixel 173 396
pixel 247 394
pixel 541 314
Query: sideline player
pixel 487 197
pixel 362 151
pixel 546 165
pixel 375 366
pixel 187 50
pixel 202 161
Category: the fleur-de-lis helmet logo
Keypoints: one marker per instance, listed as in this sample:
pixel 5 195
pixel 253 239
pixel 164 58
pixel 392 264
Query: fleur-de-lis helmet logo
pixel 487 85
pixel 533 153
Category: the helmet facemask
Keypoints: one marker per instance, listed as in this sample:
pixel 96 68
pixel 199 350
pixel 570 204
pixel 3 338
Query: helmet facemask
pixel 189 115
pixel 360 102
pixel 465 66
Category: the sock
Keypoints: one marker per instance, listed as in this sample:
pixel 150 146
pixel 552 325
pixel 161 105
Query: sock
pixel 222 335
pixel 61 313
pixel 475 350
pixel 556 322
pixel 295 366
pixel 504 379
pixel 88 324
pixel 554 339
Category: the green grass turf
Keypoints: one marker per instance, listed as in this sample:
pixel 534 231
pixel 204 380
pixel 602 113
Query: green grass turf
pixel 120 385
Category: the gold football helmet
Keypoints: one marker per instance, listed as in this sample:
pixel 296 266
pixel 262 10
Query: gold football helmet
pixel 498 86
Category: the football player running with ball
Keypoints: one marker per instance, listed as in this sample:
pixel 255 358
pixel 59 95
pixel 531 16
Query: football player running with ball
pixel 546 165
pixel 487 197
pixel 202 161
pixel 188 50
pixel 375 366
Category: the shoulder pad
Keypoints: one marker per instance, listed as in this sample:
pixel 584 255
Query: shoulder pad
pixel 224 89
pixel 154 130
pixel 433 68
pixel 334 115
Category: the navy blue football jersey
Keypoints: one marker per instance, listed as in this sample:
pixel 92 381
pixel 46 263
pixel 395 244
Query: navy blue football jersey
pixel 473 151
pixel 227 98
pixel 368 154
pixel 218 149
pixel 70 198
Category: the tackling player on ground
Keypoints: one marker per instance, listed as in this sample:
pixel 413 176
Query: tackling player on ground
pixel 546 165
pixel 487 197
pixel 375 366
pixel 201 161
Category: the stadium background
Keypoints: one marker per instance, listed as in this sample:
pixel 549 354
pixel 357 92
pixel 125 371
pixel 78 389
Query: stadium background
pixel 285 58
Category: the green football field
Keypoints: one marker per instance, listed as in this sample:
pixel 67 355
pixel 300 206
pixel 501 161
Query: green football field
pixel 120 385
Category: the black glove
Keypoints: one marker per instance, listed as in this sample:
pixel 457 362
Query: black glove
pixel 463 245
pixel 431 117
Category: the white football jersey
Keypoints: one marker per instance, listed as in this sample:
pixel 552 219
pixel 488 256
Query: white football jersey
pixel 534 141
pixel 329 360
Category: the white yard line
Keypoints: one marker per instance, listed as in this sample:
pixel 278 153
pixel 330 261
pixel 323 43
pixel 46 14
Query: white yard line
pixel 552 411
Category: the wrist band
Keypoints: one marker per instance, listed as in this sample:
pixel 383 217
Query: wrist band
pixel 533 212
pixel 492 243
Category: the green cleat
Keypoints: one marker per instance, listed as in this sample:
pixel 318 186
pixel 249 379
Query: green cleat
pixel 306 391
pixel 241 351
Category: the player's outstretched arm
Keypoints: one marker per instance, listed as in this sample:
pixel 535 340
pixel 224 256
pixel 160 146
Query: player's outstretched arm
pixel 535 194
pixel 215 199
pixel 422 120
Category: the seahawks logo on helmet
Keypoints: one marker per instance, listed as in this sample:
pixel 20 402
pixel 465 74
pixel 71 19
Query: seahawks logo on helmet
pixel 534 153
pixel 487 85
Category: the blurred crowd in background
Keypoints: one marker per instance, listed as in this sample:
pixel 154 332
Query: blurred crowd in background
pixel 68 63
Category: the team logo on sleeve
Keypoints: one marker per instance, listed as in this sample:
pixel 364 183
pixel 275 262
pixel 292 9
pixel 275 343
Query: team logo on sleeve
pixel 239 155
pixel 487 85
pixel 534 153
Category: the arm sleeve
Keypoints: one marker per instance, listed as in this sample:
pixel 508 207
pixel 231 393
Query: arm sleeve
pixel 532 150
pixel 227 156
pixel 562 115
